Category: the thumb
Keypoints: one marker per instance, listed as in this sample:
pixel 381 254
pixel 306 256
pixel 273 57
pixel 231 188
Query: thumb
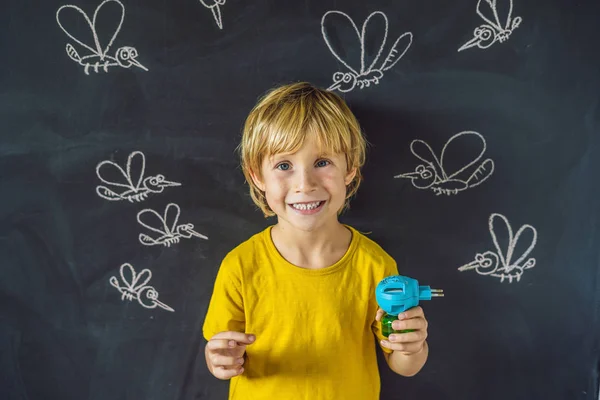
pixel 242 340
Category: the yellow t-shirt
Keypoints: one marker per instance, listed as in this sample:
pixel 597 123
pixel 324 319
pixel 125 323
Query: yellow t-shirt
pixel 315 329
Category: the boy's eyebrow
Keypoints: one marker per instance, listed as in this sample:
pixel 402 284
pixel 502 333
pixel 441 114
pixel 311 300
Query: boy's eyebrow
pixel 279 156
pixel 275 158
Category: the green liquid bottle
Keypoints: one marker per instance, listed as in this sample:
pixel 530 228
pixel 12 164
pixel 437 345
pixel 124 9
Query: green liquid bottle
pixel 386 325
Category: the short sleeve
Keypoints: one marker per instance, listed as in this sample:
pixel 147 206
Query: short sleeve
pixel 390 268
pixel 226 306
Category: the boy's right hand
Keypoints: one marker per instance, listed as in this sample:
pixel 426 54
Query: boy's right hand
pixel 225 353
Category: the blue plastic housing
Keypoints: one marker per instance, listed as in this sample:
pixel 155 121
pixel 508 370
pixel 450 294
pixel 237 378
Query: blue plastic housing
pixel 396 294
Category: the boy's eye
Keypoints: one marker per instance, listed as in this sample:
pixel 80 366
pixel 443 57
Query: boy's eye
pixel 283 166
pixel 323 163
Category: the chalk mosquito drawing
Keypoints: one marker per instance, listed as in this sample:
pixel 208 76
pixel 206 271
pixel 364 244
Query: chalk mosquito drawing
pixel 166 227
pixel 214 6
pixel 134 287
pixel 436 175
pixel 498 263
pixel 131 184
pixel 124 57
pixel 364 75
pixel 493 30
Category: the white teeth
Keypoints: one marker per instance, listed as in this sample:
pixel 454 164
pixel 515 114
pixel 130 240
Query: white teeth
pixel 306 206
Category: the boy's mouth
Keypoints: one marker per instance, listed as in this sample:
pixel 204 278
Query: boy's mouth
pixel 308 208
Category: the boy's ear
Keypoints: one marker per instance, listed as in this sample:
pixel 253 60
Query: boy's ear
pixel 350 176
pixel 257 180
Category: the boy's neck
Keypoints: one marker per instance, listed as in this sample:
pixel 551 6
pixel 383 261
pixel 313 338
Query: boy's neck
pixel 315 249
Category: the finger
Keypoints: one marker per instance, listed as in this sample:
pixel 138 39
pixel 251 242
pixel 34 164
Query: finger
pixel 230 340
pixel 412 313
pixel 239 337
pixel 379 314
pixel 229 361
pixel 227 373
pixel 408 337
pixel 406 348
pixel 413 323
pixel 224 345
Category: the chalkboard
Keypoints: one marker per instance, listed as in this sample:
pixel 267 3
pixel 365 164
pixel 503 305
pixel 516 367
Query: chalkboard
pixel 122 192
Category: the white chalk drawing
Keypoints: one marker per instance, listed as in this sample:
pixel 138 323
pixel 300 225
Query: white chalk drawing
pixel 99 58
pixel 214 6
pixel 495 29
pixel 135 287
pixel 364 75
pixel 498 263
pixel 131 184
pixel 166 227
pixel 435 174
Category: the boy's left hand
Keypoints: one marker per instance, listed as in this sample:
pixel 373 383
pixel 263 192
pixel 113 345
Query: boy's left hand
pixel 410 342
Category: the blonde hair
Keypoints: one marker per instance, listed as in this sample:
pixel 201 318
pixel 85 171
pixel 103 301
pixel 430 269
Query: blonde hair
pixel 282 119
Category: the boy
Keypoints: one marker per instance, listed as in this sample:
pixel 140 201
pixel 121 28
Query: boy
pixel 305 287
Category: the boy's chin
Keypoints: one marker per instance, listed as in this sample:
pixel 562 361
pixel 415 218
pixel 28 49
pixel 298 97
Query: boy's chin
pixel 310 223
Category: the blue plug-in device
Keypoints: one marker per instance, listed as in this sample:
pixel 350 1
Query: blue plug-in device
pixel 396 294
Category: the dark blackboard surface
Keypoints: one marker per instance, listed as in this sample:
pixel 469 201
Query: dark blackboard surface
pixel 66 332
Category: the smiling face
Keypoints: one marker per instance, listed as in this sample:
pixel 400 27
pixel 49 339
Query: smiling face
pixel 306 189
pixel 302 144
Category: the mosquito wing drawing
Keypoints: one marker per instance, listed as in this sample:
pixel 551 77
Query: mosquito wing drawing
pixel 436 175
pixel 495 29
pixel 129 184
pixel 499 263
pixel 98 58
pixel 366 73
pixel 165 228
pixel 134 287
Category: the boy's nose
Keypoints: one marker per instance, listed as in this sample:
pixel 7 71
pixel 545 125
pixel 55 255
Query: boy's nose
pixel 305 181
